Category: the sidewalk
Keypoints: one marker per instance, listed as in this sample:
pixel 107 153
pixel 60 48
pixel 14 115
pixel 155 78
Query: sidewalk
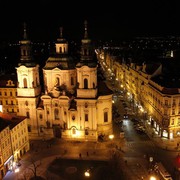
pixel 161 142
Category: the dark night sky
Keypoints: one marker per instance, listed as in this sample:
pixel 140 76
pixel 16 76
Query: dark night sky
pixel 106 20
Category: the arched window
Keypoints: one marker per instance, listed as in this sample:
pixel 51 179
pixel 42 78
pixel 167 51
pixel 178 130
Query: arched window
pixel 27 114
pixel 25 82
pixel 56 114
pixel 60 49
pixel 85 83
pixel 105 116
pixel 57 82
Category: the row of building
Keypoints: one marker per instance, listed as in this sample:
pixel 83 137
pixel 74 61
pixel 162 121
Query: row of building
pixel 14 141
pixel 151 86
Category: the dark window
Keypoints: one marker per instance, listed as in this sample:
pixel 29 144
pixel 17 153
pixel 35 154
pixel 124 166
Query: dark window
pixel 86 117
pixel 27 114
pixel 85 84
pixel 25 82
pixel 56 114
pixel 105 116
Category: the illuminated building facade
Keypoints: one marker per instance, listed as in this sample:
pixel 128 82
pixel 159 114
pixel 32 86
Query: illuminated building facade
pixel 8 93
pixel 155 96
pixel 14 141
pixel 74 104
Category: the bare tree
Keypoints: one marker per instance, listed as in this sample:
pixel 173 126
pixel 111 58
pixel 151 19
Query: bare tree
pixel 35 166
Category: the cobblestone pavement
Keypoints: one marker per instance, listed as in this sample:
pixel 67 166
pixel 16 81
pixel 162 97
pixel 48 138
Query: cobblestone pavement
pixel 44 152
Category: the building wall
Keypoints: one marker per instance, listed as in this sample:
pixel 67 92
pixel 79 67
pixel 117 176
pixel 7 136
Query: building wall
pixel 20 140
pixel 163 109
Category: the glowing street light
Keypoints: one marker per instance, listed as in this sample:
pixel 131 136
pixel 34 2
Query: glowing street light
pixel 152 178
pixel 87 173
pixel 111 136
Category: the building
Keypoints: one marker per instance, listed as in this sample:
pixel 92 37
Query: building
pixel 8 93
pixel 14 141
pixel 153 90
pixel 71 102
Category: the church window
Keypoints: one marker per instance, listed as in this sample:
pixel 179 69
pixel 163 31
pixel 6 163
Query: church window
pixel 27 114
pixel 25 82
pixel 85 83
pixel 72 81
pixel 172 122
pixel 10 93
pixel 40 116
pixel 57 82
pixel 73 117
pixel 60 49
pixel 5 93
pixel 56 114
pixel 105 116
pixel 86 117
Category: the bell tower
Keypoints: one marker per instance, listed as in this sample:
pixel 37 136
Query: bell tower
pixel 86 69
pixel 29 89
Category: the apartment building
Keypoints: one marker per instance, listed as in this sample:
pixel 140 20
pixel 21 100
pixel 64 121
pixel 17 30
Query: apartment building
pixel 8 93
pixel 154 93
pixel 14 141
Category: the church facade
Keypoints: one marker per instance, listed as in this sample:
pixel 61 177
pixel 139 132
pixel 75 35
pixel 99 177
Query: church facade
pixel 72 102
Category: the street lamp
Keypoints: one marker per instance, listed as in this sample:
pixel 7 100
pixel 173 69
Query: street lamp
pixel 111 137
pixel 152 178
pixel 87 173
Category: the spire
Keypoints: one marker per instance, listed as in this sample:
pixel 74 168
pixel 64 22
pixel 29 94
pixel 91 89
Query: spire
pixel 26 57
pixel 61 39
pixel 61 32
pixel 85 30
pixel 25 32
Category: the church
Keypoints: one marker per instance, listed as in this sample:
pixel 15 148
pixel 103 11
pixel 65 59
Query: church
pixel 72 102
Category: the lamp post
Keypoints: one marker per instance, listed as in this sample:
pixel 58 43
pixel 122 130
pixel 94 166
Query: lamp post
pixel 87 173
pixel 111 137
pixel 152 178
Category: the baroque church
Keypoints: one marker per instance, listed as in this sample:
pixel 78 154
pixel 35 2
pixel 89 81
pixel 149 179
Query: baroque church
pixel 72 102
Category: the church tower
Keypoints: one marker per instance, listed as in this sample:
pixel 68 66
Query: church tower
pixel 86 69
pixel 29 89
pixel 86 98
